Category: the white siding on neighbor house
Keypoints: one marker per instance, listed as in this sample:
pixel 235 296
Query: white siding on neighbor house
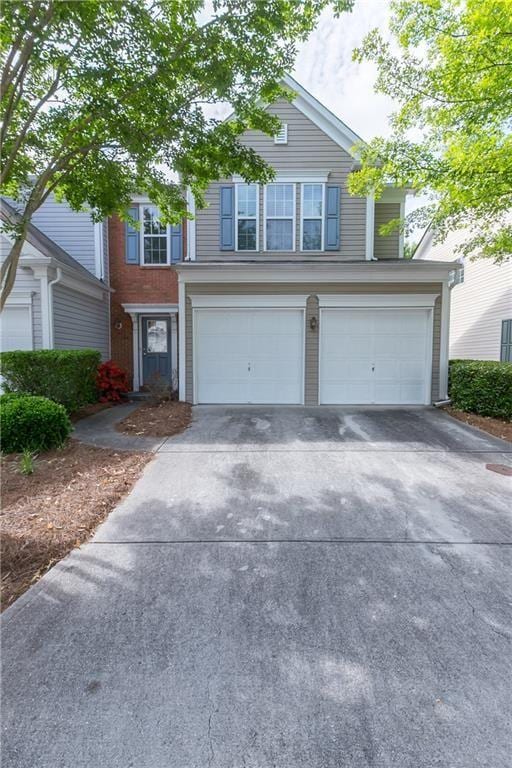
pixel 74 232
pixel 479 304
pixel 308 149
pixel 27 283
pixel 80 321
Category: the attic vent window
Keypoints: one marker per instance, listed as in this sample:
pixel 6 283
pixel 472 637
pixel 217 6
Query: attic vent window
pixel 281 136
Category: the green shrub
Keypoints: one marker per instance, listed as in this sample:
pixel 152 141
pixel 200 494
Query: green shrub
pixel 67 376
pixel 29 423
pixel 482 386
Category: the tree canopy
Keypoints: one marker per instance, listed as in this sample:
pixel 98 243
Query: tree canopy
pixel 452 133
pixel 103 98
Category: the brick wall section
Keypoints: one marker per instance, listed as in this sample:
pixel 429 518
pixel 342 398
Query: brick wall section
pixel 133 285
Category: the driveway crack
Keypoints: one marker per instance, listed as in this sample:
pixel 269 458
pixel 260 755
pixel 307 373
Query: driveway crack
pixel 474 613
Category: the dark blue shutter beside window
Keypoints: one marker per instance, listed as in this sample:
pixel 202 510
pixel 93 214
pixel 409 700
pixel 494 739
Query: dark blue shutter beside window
pixel 332 218
pixel 176 243
pixel 227 218
pixel 506 341
pixel 132 238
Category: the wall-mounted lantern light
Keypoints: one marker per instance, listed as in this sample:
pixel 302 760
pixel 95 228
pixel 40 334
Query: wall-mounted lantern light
pixel 313 323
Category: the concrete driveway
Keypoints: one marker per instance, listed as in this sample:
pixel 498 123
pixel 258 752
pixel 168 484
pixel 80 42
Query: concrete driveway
pixel 283 588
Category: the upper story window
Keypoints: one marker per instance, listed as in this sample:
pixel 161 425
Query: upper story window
pixel 312 217
pixel 280 217
pixel 154 235
pixel 246 217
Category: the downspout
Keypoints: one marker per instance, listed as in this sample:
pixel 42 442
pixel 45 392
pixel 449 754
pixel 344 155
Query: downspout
pixel 50 302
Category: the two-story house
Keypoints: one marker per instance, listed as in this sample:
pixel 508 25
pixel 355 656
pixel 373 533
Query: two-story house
pixel 285 293
pixel 61 296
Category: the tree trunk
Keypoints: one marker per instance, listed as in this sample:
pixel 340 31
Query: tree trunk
pixel 10 266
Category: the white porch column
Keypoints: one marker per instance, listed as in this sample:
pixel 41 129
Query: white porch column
pixel 444 353
pixel 181 339
pixel 46 330
pixel 136 352
pixel 370 226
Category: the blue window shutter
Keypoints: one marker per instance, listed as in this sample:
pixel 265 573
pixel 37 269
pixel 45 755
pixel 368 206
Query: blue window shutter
pixel 332 218
pixel 506 341
pixel 132 238
pixel 227 218
pixel 176 243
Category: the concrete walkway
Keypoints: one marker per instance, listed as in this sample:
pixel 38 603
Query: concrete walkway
pixel 283 588
pixel 100 430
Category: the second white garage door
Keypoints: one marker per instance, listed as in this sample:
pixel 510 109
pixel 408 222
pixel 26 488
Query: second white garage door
pixel 249 356
pixel 376 356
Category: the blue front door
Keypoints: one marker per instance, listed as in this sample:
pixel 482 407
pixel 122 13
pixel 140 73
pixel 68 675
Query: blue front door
pixel 156 348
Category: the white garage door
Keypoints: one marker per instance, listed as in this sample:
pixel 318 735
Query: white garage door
pixel 248 355
pixel 15 328
pixel 376 356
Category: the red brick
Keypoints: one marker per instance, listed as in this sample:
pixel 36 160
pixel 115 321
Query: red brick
pixel 133 284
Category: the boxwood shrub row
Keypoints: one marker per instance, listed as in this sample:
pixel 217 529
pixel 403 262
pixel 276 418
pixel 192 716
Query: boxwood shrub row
pixel 482 386
pixel 67 376
pixel 31 423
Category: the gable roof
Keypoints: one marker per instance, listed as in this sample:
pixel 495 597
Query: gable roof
pixel 44 245
pixel 331 125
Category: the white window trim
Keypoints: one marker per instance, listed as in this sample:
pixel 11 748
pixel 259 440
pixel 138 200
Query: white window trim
pixel 142 236
pixel 321 218
pixel 281 218
pixel 237 217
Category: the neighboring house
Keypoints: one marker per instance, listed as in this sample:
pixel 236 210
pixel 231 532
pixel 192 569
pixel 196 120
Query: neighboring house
pixel 481 301
pixel 60 299
pixel 286 293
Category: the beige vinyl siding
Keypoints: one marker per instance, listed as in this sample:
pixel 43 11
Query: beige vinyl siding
pixel 386 246
pixel 313 290
pixel 478 305
pixel 80 321
pixel 308 149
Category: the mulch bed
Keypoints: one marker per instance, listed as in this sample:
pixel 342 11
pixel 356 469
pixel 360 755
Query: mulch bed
pixel 157 420
pixel 48 513
pixel 496 427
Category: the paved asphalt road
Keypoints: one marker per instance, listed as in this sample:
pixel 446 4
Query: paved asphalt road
pixel 284 588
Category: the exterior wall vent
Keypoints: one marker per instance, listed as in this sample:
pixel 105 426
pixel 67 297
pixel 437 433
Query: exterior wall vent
pixel 282 136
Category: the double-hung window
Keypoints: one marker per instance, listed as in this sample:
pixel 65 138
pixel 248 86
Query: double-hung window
pixel 155 240
pixel 280 217
pixel 246 217
pixel 312 217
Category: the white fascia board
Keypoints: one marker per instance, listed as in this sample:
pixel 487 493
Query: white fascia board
pixel 201 301
pixel 150 309
pixel 191 226
pixel 420 300
pixel 393 195
pixel 370 272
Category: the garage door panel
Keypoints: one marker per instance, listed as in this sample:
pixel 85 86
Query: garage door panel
pixel 249 356
pixel 386 366
pixel 16 328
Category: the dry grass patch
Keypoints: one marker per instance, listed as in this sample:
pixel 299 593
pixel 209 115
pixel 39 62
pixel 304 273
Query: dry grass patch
pixel 45 514
pixel 157 420
pixel 496 427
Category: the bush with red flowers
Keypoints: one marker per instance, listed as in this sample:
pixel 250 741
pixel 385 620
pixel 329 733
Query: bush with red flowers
pixel 112 382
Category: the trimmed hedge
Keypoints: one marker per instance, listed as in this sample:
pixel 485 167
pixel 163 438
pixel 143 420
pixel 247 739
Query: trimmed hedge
pixel 67 376
pixel 31 423
pixel 482 386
